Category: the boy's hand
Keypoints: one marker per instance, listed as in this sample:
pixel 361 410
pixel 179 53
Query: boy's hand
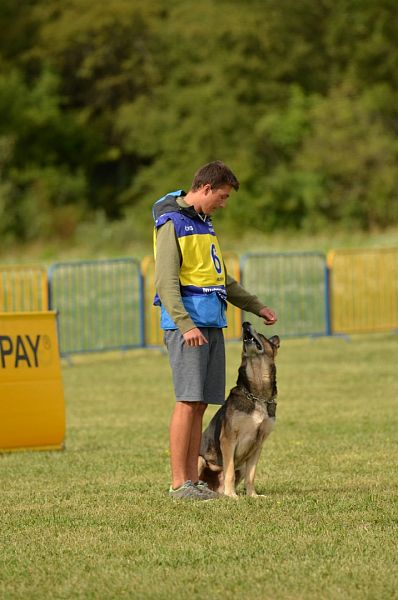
pixel 268 315
pixel 194 337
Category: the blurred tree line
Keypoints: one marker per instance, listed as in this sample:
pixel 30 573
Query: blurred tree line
pixel 105 106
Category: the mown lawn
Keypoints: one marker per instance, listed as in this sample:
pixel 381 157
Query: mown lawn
pixel 95 521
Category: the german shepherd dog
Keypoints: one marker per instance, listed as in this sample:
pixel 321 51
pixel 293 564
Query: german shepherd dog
pixel 231 445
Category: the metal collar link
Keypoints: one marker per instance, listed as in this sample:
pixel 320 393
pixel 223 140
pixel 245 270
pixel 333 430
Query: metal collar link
pixel 253 397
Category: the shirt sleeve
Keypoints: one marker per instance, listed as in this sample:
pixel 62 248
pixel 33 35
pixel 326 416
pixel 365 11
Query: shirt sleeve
pixel 167 280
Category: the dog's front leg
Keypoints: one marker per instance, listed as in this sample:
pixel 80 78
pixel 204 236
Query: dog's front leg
pixel 227 446
pixel 251 465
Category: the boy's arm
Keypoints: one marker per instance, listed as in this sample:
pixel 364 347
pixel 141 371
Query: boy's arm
pixel 167 281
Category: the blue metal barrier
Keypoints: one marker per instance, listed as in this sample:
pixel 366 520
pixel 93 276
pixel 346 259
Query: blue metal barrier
pixel 100 304
pixel 295 285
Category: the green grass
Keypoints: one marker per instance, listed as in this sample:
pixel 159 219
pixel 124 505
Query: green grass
pixel 95 521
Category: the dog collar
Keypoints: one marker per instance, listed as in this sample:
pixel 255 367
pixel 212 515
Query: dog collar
pixel 271 404
pixel 253 397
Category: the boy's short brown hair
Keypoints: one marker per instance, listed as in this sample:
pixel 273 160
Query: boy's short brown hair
pixel 215 173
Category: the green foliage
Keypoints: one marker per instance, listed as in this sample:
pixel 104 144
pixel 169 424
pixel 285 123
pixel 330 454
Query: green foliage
pixel 356 157
pixel 120 102
pixel 43 187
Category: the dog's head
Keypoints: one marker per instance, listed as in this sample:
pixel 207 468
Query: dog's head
pixel 256 344
pixel 257 372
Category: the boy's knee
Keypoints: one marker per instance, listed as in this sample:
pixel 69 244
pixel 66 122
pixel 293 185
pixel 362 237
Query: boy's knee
pixel 201 407
pixel 195 407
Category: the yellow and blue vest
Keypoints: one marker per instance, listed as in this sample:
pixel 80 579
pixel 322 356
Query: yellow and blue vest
pixel 202 274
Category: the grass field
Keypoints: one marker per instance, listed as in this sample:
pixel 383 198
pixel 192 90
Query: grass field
pixel 95 521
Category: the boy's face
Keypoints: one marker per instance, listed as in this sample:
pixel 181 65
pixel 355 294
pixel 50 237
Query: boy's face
pixel 211 199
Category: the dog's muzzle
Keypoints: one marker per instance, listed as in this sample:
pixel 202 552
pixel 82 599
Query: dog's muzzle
pixel 250 336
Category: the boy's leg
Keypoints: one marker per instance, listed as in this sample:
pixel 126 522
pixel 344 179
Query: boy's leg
pixel 181 426
pixel 194 446
pixel 190 373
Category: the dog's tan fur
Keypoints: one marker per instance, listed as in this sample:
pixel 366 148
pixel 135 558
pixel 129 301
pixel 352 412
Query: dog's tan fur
pixel 231 444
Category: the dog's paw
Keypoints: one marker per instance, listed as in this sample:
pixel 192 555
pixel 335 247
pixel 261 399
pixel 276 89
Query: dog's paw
pixel 231 495
pixel 253 494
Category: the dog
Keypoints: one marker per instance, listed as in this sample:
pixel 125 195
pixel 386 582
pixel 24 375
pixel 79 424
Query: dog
pixel 231 445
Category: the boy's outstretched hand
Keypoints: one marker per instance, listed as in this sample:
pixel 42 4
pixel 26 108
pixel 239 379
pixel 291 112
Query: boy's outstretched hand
pixel 268 315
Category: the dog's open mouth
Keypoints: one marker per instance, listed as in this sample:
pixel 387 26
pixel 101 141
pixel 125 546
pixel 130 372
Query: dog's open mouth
pixel 250 336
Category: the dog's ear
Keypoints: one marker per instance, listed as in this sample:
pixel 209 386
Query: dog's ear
pixel 275 341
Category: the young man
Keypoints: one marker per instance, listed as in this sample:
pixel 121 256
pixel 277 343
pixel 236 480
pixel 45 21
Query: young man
pixel 192 288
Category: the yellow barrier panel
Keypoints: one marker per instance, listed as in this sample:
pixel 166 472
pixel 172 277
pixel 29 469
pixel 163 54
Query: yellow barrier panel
pixel 363 290
pixel 23 288
pixel 153 332
pixel 32 413
pixel 234 314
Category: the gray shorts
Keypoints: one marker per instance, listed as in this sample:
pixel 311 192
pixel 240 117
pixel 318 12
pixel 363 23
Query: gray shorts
pixel 199 371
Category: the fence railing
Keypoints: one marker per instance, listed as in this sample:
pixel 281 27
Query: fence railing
pixel 100 304
pixel 292 283
pixel 107 304
pixel 363 290
pixel 23 288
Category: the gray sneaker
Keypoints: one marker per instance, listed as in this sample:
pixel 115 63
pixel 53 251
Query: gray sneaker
pixel 206 491
pixel 188 491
